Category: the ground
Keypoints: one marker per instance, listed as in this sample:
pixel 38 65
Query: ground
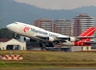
pixel 49 59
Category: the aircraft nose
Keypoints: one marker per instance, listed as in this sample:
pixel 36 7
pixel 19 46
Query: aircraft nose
pixel 8 26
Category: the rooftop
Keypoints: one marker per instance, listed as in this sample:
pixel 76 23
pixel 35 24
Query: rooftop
pixel 4 39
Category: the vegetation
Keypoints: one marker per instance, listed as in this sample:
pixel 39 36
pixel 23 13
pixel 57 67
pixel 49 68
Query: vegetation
pixel 5 33
pixel 50 59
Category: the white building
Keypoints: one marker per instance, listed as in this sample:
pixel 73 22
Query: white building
pixel 12 44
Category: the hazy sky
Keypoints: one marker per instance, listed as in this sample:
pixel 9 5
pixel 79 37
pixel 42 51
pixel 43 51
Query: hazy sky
pixel 59 4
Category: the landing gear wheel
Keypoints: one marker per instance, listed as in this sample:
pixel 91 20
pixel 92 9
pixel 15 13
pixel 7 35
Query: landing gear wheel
pixel 15 36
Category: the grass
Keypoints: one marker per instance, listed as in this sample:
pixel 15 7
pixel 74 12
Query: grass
pixel 49 59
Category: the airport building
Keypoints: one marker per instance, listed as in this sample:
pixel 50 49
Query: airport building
pixel 44 24
pixel 62 26
pixel 12 44
pixel 82 23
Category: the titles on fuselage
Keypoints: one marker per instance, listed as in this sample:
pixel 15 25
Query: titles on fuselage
pixel 42 32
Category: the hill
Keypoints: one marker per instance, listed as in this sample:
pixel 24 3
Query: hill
pixel 11 11
pixel 87 10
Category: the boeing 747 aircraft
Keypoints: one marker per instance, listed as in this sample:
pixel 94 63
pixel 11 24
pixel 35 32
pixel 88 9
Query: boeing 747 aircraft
pixel 32 33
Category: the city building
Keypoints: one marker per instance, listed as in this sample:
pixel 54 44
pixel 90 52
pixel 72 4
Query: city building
pixel 77 27
pixel 62 26
pixel 44 24
pixel 82 23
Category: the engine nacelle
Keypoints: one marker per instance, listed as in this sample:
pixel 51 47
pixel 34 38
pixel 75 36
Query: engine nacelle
pixel 27 39
pixel 51 39
pixel 72 39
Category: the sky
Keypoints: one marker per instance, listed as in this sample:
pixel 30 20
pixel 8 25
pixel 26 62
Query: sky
pixel 59 4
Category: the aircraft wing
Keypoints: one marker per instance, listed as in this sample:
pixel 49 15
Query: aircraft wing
pixel 64 39
pixel 42 37
pixel 56 39
pixel 75 38
pixel 78 37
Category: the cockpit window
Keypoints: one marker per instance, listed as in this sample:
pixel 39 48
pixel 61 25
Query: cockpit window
pixel 15 23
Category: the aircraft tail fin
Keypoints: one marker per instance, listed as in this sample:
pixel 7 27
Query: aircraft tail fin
pixel 88 33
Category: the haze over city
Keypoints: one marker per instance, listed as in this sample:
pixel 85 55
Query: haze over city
pixel 59 4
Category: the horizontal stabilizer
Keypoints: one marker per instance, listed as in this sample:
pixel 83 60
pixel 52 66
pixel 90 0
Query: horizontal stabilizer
pixel 84 37
pixel 90 42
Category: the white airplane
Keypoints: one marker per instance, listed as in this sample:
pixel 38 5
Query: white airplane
pixel 32 33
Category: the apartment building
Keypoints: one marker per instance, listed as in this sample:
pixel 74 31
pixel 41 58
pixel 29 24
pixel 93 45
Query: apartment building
pixel 82 23
pixel 44 24
pixel 62 26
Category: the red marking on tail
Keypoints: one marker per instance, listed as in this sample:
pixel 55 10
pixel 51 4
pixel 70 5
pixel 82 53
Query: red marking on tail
pixel 88 32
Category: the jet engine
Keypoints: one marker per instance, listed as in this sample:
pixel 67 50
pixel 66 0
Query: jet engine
pixel 51 39
pixel 72 39
pixel 28 39
pixel 64 39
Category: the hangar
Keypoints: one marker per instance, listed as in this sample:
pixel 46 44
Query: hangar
pixel 12 44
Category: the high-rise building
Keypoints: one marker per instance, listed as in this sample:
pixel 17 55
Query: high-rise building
pixel 82 23
pixel 77 27
pixel 62 26
pixel 44 24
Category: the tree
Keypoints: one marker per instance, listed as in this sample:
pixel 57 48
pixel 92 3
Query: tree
pixel 5 33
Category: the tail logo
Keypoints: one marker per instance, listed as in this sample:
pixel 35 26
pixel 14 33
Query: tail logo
pixel 26 29
pixel 88 32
